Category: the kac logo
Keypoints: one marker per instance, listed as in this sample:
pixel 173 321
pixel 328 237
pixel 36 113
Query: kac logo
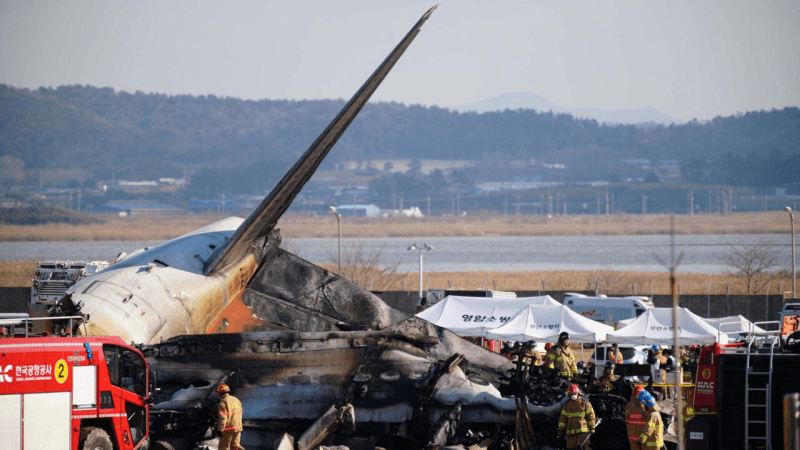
pixel 4 374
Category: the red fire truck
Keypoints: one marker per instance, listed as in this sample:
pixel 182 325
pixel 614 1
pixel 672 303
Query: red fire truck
pixel 70 393
pixel 738 398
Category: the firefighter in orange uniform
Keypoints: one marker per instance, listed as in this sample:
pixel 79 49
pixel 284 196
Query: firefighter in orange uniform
pixel 229 419
pixel 561 358
pixel 616 355
pixel 576 420
pixel 652 436
pixel 532 356
pixel 607 380
pixel 634 418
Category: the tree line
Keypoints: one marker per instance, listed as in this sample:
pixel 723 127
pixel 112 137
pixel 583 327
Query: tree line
pixel 120 135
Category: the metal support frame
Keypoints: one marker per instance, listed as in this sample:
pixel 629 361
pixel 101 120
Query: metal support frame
pixel 759 381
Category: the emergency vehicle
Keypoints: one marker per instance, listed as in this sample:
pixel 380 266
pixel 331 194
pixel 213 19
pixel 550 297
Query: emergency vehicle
pixel 72 393
pixel 608 310
pixel 739 390
pixel 789 318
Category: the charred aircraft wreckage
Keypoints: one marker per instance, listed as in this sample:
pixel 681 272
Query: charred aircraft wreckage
pixel 333 363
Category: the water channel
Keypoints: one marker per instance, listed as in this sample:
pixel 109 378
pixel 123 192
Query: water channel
pixel 701 253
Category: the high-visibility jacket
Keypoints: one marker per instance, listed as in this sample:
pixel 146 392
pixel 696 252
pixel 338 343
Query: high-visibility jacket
pixel 533 358
pixel 606 382
pixel 577 416
pixel 562 360
pixel 653 434
pixel 634 419
pixel 688 413
pixel 687 375
pixel 229 416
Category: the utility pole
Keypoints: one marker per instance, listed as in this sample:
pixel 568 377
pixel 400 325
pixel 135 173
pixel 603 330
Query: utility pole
pixel 794 270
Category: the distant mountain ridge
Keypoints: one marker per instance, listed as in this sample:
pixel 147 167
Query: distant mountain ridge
pixel 527 100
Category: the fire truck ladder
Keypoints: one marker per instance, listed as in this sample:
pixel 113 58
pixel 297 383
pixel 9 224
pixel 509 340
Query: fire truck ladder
pixel 758 381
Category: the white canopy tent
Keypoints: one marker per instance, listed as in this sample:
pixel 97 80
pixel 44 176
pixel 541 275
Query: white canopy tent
pixel 625 322
pixel 655 327
pixel 545 323
pixel 474 316
pixel 733 326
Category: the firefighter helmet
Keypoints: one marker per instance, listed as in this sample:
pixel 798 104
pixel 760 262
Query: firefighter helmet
pixel 637 390
pixel 223 388
pixel 562 336
pixel 581 365
pixel 610 365
pixel 547 346
pixel 646 398
pixel 573 389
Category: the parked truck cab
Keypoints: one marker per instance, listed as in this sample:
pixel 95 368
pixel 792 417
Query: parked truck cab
pixel 608 310
pixel 73 393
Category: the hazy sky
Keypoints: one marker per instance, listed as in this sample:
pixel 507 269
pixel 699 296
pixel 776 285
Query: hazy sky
pixel 690 59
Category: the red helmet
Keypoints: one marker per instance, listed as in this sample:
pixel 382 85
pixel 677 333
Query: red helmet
pixel 547 346
pixel 637 390
pixel 573 389
pixel 222 388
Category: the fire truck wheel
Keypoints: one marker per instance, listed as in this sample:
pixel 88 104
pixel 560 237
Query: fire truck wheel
pixel 95 439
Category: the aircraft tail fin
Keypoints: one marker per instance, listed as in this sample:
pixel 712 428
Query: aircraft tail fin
pixel 266 215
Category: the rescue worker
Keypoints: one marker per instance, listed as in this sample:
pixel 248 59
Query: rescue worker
pixel 561 357
pixel 688 409
pixel 532 356
pixel 229 419
pixel 507 350
pixel 606 381
pixel 686 374
pixel 577 419
pixel 585 373
pixel 616 355
pixel 634 418
pixel 654 360
pixel 669 366
pixel 652 436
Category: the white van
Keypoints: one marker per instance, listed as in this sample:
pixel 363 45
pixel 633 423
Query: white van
pixel 608 310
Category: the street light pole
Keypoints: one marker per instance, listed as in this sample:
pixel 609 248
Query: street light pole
pixel 794 271
pixel 424 247
pixel 333 211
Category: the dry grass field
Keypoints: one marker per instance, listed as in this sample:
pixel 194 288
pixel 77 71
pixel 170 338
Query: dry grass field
pixel 296 226
pixel 609 282
pixel 613 283
pixel 299 226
